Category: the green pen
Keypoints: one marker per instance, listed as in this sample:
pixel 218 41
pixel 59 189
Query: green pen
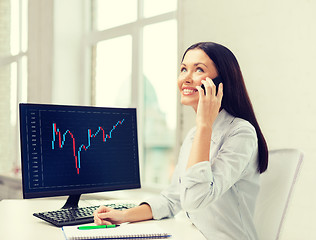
pixel 97 227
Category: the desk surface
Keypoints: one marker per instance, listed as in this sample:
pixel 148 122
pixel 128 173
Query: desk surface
pixel 17 221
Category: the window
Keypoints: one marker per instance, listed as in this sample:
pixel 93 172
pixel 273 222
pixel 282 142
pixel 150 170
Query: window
pixel 134 64
pixel 111 89
pixel 13 77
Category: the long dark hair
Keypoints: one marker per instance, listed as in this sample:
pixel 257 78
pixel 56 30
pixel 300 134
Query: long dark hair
pixel 235 100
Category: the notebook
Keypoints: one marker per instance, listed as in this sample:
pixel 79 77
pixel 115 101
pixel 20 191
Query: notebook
pixel 124 231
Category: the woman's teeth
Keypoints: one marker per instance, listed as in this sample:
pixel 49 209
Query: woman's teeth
pixel 188 91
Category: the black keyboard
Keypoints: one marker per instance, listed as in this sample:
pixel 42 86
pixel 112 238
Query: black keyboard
pixel 74 216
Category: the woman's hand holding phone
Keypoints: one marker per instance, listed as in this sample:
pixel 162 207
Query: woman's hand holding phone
pixel 216 81
pixel 209 103
pixel 206 113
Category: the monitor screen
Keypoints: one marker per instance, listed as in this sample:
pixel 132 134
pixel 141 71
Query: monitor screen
pixel 70 150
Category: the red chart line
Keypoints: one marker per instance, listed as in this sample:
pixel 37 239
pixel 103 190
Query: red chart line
pixel 77 153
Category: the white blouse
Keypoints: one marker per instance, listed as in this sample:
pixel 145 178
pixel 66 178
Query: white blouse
pixel 218 196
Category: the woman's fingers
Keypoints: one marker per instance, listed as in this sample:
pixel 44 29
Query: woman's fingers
pixel 100 215
pixel 105 222
pixel 103 215
pixel 220 91
pixel 99 221
pixel 213 87
pixel 200 90
pixel 209 104
pixel 206 87
pixel 210 87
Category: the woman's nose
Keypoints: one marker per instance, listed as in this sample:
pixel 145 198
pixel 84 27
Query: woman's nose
pixel 188 78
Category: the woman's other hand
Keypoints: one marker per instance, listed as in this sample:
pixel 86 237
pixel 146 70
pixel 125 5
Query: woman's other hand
pixel 106 216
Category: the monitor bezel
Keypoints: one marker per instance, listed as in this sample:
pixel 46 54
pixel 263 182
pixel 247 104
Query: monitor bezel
pixel 79 191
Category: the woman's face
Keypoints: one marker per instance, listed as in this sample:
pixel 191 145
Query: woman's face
pixel 195 67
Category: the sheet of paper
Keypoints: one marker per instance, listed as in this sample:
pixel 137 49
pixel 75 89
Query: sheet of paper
pixel 122 231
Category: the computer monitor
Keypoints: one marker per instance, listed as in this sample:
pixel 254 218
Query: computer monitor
pixel 71 150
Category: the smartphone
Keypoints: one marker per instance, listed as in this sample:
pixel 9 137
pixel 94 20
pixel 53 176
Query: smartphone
pixel 216 81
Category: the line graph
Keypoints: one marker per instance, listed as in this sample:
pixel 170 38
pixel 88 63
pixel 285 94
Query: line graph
pixel 61 139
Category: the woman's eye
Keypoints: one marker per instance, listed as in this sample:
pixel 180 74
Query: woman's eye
pixel 199 70
pixel 183 70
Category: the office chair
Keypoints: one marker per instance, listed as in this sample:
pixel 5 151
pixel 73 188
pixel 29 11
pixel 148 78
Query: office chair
pixel 277 184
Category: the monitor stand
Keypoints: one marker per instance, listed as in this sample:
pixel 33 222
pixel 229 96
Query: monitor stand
pixel 72 201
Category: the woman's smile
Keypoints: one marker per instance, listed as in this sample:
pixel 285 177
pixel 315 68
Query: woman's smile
pixel 186 91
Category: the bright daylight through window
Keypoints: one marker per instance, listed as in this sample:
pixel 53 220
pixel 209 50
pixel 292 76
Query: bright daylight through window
pixel 13 77
pixel 134 64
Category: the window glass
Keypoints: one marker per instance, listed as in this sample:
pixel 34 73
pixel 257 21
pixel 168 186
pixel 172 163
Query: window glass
pixel 113 72
pixel 13 77
pixel 5 32
pixel 15 27
pixel 160 87
pixel 112 75
pixel 13 93
pixel 24 79
pixel 7 135
pixel 109 13
pixel 154 7
pixel 24 25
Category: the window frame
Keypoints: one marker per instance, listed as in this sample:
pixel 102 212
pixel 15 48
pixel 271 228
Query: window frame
pixel 135 29
pixel 20 93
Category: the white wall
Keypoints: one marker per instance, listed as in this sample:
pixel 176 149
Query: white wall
pixel 274 42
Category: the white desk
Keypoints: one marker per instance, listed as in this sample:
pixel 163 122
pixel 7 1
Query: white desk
pixel 17 221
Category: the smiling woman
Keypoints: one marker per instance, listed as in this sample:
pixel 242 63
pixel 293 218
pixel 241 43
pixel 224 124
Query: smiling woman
pixel 216 180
